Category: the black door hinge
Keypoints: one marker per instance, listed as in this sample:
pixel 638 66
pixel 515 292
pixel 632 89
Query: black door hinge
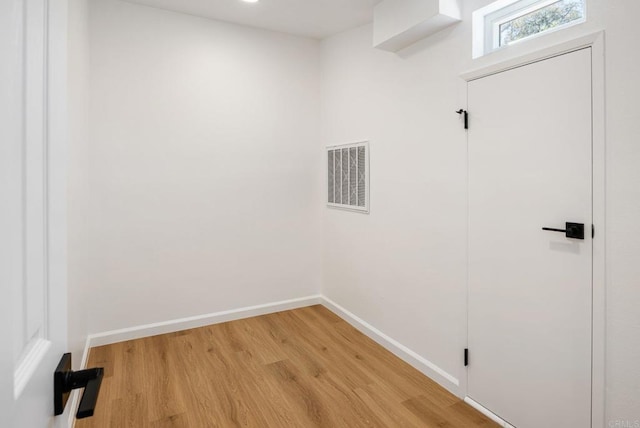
pixel 593 231
pixel 465 116
pixel 466 357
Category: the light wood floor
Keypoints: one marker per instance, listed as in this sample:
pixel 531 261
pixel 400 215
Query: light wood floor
pixel 300 368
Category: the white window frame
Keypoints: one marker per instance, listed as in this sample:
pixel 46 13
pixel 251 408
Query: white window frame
pixel 362 209
pixel 487 21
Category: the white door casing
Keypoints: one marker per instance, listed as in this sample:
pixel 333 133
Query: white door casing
pixel 530 291
pixel 33 216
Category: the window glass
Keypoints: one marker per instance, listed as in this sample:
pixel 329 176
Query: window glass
pixel 507 21
pixel 543 19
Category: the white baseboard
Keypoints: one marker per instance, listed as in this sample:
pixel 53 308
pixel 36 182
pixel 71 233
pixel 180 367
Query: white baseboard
pixel 420 363
pixel 172 326
pixel 74 399
pixel 488 413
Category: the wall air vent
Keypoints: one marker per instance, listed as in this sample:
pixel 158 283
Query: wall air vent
pixel 348 177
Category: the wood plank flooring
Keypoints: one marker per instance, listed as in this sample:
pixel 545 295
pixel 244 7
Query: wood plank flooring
pixel 300 368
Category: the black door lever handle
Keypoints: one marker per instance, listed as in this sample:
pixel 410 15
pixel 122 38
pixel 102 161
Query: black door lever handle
pixel 65 380
pixel 90 395
pixel 551 229
pixel 571 230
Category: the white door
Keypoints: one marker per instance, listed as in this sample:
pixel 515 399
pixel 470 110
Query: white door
pixel 32 209
pixel 530 290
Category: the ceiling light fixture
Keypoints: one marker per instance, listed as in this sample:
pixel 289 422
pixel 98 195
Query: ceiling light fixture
pixel 250 1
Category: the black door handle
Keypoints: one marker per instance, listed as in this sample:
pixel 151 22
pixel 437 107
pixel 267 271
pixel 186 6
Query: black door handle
pixel 571 230
pixel 65 380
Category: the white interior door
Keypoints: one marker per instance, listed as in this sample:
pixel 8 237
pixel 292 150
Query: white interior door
pixel 530 291
pixel 32 215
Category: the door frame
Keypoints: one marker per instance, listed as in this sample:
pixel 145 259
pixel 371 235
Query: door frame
pixel 57 162
pixel 595 41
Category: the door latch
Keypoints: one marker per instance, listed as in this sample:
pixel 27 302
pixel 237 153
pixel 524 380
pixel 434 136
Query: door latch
pixel 65 380
pixel 571 230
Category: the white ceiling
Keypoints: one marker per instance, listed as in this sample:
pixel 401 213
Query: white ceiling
pixel 310 18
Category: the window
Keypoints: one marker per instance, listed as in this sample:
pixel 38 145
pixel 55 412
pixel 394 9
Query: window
pixel 348 176
pixel 508 21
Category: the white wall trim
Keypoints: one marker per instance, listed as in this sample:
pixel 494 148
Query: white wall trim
pixel 596 41
pixel 147 330
pixel 411 357
pixel 599 308
pixel 587 40
pixel 401 351
pixel 479 407
pixel 75 394
pixel 172 326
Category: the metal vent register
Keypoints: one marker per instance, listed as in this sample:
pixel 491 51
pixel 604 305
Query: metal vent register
pixel 348 177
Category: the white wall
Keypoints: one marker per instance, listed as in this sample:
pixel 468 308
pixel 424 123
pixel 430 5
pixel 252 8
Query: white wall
pixel 203 178
pixel 191 192
pixel 623 210
pixel 403 268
